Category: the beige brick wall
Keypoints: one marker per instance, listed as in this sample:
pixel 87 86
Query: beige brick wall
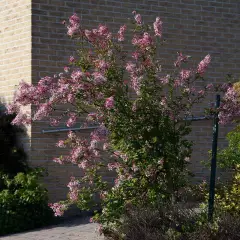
pixel 195 27
pixel 15 45
pixel 15 49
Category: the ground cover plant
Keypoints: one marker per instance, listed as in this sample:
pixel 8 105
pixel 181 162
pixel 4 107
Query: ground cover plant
pixel 140 111
pixel 23 200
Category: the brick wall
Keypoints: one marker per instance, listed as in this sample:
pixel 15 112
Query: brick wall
pixel 15 44
pixel 15 49
pixel 195 27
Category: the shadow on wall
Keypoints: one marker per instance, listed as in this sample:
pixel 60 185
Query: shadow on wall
pixel 13 156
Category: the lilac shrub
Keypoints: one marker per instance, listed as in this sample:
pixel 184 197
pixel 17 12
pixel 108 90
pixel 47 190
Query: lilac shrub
pixel 139 110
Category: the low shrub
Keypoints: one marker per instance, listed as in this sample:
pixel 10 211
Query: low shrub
pixel 152 223
pixel 174 222
pixel 23 203
pixel 227 227
pixel 228 199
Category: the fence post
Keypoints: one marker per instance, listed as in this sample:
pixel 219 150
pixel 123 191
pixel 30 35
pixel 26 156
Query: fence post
pixel 213 162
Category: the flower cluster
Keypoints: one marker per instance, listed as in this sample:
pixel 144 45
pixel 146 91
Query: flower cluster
pixel 73 186
pixel 109 104
pixel 157 25
pixel 58 208
pixel 74 25
pixel 99 37
pixel 121 33
pixel 230 106
pixel 202 66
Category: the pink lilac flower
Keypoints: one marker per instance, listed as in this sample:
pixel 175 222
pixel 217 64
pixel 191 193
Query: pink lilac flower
pixel 229 107
pixel 75 154
pixel 157 25
pixel 225 87
pixel 74 19
pixel 91 117
pixel 136 83
pixel 185 75
pixel 135 55
pixel 121 33
pixel 99 36
pixel 209 86
pixel 77 75
pixel 26 94
pixel 102 65
pixel 21 119
pixel 93 144
pixel 144 43
pixel 71 98
pixel 73 186
pixel 66 69
pixel 100 134
pixel 131 67
pixel 117 183
pixel 61 160
pixel 72 136
pixel 72 119
pixel 109 103
pixel 148 63
pixel 135 40
pixel 105 146
pixel 118 154
pixel 138 18
pixel 112 166
pixel 58 160
pixel 44 87
pixel 57 208
pixel 202 66
pixel 99 78
pixel 90 35
pixel 71 59
pixel 136 78
pixel 43 111
pixel 13 108
pixel 61 144
pixel 177 83
pixel 180 59
pixel 135 167
pixel 165 80
pixel 134 107
pixel 74 26
pixel 83 164
pixel 103 31
pixel 201 92
pixel 100 229
pixel 96 153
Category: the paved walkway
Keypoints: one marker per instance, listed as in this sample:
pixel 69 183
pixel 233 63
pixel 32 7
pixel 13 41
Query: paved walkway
pixel 74 229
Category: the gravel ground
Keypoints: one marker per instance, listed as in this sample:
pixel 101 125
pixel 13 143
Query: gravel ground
pixel 77 228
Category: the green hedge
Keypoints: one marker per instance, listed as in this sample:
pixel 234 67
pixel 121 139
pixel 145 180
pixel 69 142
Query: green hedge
pixel 23 203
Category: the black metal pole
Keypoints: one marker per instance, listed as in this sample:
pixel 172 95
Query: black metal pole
pixel 213 162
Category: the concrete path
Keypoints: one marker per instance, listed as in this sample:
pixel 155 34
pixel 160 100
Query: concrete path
pixel 73 229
